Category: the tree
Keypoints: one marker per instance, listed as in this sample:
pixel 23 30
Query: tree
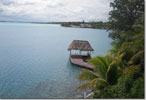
pixel 123 16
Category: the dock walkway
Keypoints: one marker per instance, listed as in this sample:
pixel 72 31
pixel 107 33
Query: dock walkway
pixel 78 60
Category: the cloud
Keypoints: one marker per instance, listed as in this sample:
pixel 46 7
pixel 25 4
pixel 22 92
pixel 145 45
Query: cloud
pixel 54 10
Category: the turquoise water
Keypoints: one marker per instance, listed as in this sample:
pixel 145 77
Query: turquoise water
pixel 34 61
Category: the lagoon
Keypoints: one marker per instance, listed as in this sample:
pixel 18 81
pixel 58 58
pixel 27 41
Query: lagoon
pixel 34 61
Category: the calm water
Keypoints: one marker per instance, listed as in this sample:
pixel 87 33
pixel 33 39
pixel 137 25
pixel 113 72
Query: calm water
pixel 34 61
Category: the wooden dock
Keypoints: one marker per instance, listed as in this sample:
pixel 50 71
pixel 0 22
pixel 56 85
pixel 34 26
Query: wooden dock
pixel 78 60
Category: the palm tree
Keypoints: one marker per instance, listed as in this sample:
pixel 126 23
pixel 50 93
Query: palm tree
pixel 105 73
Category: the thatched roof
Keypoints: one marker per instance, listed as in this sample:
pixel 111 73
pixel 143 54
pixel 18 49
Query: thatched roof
pixel 82 45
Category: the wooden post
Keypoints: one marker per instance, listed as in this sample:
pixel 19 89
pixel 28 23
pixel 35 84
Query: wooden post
pixel 80 52
pixel 70 52
pixel 88 53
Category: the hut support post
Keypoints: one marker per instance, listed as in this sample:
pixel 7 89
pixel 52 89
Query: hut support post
pixel 70 52
pixel 89 53
pixel 80 52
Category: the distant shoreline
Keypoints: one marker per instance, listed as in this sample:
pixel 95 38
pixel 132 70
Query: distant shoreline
pixel 91 25
pixel 81 27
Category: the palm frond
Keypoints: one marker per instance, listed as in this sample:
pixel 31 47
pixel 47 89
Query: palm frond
pixel 95 84
pixel 105 62
pixel 135 58
pixel 131 69
pixel 99 66
pixel 87 75
pixel 138 27
pixel 85 85
pixel 112 73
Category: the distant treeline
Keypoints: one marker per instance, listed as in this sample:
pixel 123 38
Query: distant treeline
pixel 96 25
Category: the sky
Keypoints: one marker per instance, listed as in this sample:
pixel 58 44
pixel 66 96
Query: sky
pixel 54 10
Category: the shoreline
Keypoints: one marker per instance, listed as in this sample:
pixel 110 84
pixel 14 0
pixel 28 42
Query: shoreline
pixel 83 27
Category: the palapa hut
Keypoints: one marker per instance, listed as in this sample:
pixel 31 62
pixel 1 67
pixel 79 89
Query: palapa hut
pixel 81 45
pixel 79 59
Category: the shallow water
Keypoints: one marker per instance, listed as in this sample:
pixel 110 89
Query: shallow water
pixel 34 61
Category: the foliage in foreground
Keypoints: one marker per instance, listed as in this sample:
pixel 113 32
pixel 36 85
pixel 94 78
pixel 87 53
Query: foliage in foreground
pixel 120 74
pixel 125 64
pixel 127 87
pixel 105 73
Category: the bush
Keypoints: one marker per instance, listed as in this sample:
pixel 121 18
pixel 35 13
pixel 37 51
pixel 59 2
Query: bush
pixel 126 87
pixel 137 91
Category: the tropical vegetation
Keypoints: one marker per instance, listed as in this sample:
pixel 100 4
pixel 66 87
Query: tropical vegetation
pixel 120 73
pixel 95 25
